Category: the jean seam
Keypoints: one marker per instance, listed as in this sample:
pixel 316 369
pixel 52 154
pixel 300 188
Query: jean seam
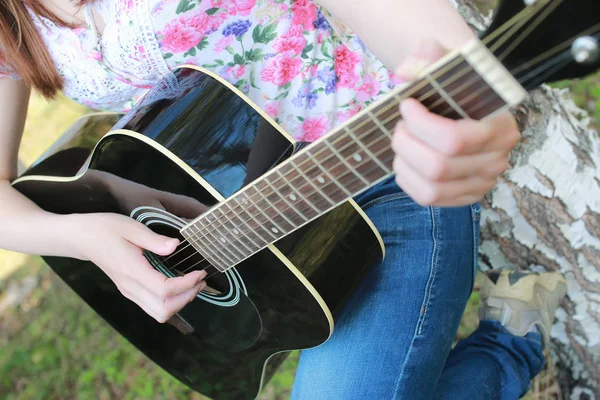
pixel 475 220
pixel 384 199
pixel 433 270
pixel 430 280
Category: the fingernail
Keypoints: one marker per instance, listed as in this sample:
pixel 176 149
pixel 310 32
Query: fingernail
pixel 202 275
pixel 171 241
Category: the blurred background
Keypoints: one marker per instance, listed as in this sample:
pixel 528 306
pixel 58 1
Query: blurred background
pixel 53 346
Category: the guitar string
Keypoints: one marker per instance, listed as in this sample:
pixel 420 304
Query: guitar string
pixel 208 230
pixel 277 210
pixel 544 66
pixel 243 231
pixel 279 201
pixel 302 210
pixel 305 184
pixel 551 52
pixel 545 13
pixel 524 17
pixel 217 271
pixel 368 133
pixel 203 231
pixel 228 213
pixel 347 173
pixel 194 236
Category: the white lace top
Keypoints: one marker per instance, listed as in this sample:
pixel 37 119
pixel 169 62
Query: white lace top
pixel 306 70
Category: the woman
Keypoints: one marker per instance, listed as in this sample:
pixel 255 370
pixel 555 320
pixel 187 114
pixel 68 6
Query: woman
pixel 310 72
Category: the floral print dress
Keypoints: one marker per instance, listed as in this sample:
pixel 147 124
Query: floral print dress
pixel 305 69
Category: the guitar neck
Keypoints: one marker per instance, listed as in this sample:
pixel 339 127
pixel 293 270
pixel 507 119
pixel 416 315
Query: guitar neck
pixel 470 83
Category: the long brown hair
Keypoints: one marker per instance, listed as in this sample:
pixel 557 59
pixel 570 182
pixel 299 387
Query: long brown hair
pixel 24 49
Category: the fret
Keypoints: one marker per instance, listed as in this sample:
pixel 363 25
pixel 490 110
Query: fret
pixel 393 116
pixel 277 223
pixel 368 152
pixel 378 145
pixel 465 86
pixel 359 160
pixel 317 177
pixel 381 147
pixel 302 197
pixel 388 114
pixel 346 163
pixel 211 255
pixel 272 205
pixel 245 200
pixel 495 75
pixel 454 94
pixel 387 154
pixel 228 232
pixel 344 175
pixel 430 97
pixel 237 230
pixel 457 80
pixel 310 182
pixel 305 208
pixel 482 109
pixel 474 104
pixel 246 222
pixel 447 98
pixel 422 92
pixel 328 173
pixel 285 199
pixel 230 257
pixel 380 125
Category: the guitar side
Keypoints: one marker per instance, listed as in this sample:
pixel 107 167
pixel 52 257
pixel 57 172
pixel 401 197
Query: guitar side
pixel 285 296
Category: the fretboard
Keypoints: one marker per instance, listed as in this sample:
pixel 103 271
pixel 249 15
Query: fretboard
pixel 470 83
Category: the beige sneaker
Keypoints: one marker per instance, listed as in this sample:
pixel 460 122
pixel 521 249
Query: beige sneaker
pixel 522 300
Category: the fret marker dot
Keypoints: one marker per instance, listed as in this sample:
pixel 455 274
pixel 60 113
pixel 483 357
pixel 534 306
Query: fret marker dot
pixel 275 230
pixel 320 179
pixel 223 240
pixel 293 197
pixel 357 157
pixel 235 231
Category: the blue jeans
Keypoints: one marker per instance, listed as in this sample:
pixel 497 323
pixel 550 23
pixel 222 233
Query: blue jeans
pixel 393 338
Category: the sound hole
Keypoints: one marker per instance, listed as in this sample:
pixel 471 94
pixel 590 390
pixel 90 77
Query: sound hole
pixel 186 259
pixel 235 323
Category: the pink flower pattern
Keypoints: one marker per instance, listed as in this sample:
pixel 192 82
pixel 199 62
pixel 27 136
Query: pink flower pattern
pixel 293 40
pixel 345 62
pixel 184 33
pixel 281 69
pixel 272 109
pixel 369 89
pixel 314 128
pixel 304 13
pixel 305 69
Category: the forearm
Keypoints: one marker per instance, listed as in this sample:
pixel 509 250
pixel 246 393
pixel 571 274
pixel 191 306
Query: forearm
pixel 26 228
pixel 392 29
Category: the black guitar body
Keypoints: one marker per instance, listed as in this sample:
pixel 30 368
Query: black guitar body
pixel 195 138
pixel 555 30
pixel 203 141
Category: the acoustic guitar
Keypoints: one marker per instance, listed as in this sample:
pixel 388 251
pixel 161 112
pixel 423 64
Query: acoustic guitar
pixel 282 240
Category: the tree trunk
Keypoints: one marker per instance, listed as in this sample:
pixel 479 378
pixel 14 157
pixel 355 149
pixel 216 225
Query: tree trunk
pixel 544 214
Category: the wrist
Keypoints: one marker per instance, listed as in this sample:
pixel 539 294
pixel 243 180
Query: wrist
pixel 70 229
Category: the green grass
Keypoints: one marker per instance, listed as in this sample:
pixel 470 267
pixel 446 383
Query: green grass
pixel 55 347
